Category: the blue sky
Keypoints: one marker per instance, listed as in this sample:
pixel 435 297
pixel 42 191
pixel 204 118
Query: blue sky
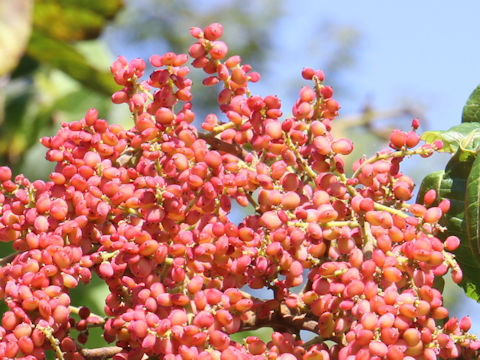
pixel 421 50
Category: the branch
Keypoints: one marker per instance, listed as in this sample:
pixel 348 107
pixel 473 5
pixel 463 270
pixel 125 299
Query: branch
pixel 9 258
pixel 221 145
pixel 101 353
pixel 285 320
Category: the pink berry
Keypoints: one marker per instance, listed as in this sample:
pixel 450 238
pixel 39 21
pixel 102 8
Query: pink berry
pixel 213 31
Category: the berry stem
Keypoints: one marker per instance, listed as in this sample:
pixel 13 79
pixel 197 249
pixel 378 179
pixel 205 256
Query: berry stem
pixel 392 211
pixel 48 332
pixel 390 155
pixel 301 160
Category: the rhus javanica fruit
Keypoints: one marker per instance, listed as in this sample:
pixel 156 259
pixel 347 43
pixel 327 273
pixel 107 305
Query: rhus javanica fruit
pixel 346 259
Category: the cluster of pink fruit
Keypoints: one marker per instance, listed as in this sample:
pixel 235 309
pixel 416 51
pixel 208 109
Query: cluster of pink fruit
pixel 147 210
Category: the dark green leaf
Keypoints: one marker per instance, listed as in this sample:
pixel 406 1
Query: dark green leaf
pixel 464 136
pixel 471 110
pixel 452 185
pixel 472 207
pixel 64 57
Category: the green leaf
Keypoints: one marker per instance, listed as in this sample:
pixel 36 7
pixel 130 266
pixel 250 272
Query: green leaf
pixel 66 58
pixel 452 184
pixel 465 136
pixel 15 28
pixel 471 110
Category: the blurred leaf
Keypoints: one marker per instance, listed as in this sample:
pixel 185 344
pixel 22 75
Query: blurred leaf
pixel 465 136
pixel 67 59
pixel 107 9
pixel 14 131
pixel 15 28
pixel 74 20
pixel 471 110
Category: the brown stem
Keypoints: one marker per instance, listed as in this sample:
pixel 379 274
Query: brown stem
pixel 100 353
pixel 221 145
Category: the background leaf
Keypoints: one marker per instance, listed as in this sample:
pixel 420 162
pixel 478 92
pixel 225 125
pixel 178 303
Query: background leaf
pixel 65 57
pixel 74 20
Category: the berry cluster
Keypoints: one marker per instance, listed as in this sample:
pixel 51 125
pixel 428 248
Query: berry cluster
pixel 147 210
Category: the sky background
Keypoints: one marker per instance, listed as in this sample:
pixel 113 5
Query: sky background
pixel 425 53
pixel 421 50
